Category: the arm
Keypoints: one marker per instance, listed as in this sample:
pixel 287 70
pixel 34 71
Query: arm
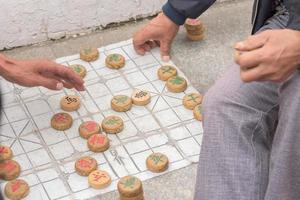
pixel 179 10
pixel 162 30
pixel 30 73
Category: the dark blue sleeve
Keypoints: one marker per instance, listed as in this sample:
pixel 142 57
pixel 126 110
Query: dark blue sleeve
pixel 179 10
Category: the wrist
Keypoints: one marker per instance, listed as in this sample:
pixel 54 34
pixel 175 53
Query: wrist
pixel 4 65
pixel 167 21
pixel 297 35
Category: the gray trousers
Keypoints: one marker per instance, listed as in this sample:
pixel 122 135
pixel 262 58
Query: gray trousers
pixel 251 141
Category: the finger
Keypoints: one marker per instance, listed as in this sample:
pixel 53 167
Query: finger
pixel 49 83
pixel 157 42
pixel 64 73
pixel 146 46
pixel 139 39
pixel 165 47
pixel 253 74
pixel 152 44
pixel 252 42
pixel 66 83
pixel 248 59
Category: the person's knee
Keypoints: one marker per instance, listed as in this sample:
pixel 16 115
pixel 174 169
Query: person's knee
pixel 213 101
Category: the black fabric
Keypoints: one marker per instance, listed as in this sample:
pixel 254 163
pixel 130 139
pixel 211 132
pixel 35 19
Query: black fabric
pixel 191 8
pixel 262 10
pixel 265 10
pixel 293 6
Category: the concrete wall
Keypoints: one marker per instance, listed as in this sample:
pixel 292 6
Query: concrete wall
pixel 24 22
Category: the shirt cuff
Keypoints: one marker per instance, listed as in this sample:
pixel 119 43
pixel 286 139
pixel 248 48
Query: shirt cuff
pixel 173 14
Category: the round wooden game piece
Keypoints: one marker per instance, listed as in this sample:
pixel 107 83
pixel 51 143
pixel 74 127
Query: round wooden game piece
pixel 89 128
pixel 197 111
pixel 70 103
pixel 193 24
pixel 121 103
pixel 195 37
pixel 165 72
pixel 89 54
pixel 191 100
pixel 157 162
pixel 138 197
pixel 199 31
pixel 115 61
pixel 61 121
pixel 98 143
pixel 176 84
pixel 85 165
pixel 99 179
pixel 130 186
pixel 79 69
pixel 16 189
pixel 141 97
pixel 112 124
pixel 9 170
pixel 5 153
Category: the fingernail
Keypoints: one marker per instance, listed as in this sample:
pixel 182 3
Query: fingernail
pixel 239 45
pixel 59 86
pixel 166 58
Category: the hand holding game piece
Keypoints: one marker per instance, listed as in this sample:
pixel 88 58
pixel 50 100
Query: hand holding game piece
pixel 16 189
pixel 272 55
pixel 85 165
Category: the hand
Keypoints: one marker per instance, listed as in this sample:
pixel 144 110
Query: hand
pixel 44 73
pixel 158 32
pixel 272 55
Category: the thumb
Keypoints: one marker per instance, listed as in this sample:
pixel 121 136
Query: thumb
pixel 165 47
pixel 252 42
pixel 49 83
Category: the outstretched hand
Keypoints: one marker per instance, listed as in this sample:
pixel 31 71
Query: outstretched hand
pixel 272 55
pixel 158 32
pixel 44 73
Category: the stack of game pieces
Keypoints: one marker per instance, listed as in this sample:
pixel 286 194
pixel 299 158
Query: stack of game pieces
pixel 130 188
pixel 195 29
